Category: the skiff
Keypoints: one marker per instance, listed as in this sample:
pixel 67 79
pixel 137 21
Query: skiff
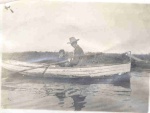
pixel 69 72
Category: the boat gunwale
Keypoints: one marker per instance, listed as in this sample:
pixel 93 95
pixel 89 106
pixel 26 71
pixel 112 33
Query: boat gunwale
pixel 77 67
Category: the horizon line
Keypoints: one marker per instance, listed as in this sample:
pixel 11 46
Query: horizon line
pixel 72 52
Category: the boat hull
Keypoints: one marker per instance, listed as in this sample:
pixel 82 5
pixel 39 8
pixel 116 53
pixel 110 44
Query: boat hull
pixel 72 72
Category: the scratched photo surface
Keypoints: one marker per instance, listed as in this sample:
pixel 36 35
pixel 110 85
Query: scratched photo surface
pixel 75 56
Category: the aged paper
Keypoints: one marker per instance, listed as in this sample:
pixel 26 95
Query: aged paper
pixel 75 56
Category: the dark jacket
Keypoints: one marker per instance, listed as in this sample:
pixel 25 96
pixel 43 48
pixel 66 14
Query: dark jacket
pixel 78 54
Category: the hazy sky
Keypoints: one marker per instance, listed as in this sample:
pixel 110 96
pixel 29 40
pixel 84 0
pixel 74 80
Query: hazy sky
pixel 102 27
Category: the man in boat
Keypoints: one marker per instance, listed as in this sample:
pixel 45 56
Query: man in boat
pixel 78 52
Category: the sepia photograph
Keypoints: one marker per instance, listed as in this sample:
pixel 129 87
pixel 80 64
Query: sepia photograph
pixel 75 56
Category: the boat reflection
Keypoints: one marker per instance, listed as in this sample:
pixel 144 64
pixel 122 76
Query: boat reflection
pixel 78 100
pixel 75 93
pixel 78 89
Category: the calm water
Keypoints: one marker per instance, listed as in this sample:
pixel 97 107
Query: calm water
pixel 129 93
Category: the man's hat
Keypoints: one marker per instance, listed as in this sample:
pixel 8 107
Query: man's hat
pixel 72 39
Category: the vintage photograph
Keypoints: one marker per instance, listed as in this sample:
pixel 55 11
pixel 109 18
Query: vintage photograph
pixel 75 56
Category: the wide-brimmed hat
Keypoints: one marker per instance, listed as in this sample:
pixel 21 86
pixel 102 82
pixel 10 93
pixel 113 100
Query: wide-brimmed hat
pixel 72 39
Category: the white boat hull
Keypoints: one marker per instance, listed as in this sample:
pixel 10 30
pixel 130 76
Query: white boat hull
pixel 72 72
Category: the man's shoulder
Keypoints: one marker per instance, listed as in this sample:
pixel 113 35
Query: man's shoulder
pixel 79 49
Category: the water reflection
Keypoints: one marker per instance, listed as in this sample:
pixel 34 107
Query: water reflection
pixel 78 102
pixel 78 89
pixel 75 93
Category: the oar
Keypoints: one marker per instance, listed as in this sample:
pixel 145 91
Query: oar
pixel 42 66
pixel 55 64
pixel 45 70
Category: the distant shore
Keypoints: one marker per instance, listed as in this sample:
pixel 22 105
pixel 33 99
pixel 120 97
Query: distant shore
pixel 99 57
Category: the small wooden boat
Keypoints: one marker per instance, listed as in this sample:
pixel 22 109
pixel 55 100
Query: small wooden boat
pixel 98 70
pixel 71 72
